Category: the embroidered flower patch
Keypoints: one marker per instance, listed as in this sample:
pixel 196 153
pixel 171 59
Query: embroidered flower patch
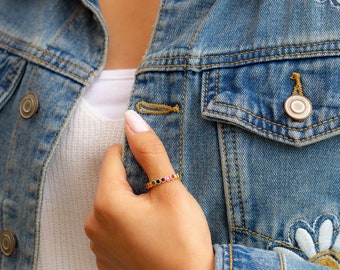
pixel 319 244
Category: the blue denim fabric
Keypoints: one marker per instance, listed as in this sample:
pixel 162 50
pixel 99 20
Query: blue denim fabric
pixel 239 257
pixel 267 184
pixel 53 49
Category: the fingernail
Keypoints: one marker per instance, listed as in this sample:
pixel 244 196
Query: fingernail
pixel 136 122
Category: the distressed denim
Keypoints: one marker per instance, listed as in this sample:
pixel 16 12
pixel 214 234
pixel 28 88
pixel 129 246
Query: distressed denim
pixel 212 84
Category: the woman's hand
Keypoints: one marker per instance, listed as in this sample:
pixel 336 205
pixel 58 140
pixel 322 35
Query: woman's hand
pixel 161 230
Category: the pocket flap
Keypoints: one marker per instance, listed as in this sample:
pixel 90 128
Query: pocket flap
pixel 253 97
pixel 11 70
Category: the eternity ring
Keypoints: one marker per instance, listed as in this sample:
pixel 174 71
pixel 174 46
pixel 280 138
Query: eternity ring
pixel 162 180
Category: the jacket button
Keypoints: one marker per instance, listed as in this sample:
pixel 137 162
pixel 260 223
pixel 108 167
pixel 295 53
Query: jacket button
pixel 298 107
pixel 7 242
pixel 28 106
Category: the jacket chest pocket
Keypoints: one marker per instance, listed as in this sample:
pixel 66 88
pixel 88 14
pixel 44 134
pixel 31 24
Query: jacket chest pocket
pixel 273 159
pixel 296 102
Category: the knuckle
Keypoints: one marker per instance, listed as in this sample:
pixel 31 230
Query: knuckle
pixel 151 147
pixel 89 228
pixel 109 209
pixel 157 146
pixel 100 209
pixel 172 193
pixel 93 247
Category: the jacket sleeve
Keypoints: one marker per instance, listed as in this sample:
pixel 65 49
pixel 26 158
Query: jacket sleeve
pixel 237 257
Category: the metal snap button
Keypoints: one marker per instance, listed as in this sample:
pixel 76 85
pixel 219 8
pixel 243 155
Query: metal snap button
pixel 298 107
pixel 7 242
pixel 29 105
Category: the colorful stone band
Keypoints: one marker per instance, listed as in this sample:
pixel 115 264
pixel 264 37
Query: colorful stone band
pixel 165 179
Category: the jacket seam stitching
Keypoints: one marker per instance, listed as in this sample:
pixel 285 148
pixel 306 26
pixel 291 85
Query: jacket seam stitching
pixel 39 60
pixel 264 237
pixel 45 52
pixel 228 186
pixel 321 53
pixel 247 52
pixel 275 123
pixel 231 256
pixel 282 243
pixel 261 118
pixel 238 180
pixel 274 133
pixel 207 88
pixel 281 261
pixel 181 123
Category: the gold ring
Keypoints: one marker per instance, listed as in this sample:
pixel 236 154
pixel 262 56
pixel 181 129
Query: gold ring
pixel 163 180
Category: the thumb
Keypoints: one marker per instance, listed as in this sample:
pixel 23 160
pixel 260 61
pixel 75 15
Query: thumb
pixel 146 147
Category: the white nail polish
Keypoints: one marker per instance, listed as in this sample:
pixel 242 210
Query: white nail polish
pixel 136 122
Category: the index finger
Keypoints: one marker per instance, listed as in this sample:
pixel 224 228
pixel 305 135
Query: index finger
pixel 112 173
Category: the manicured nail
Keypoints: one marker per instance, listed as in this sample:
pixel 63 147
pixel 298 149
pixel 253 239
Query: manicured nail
pixel 136 122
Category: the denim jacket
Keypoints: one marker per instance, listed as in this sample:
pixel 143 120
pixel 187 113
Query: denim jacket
pixel 244 94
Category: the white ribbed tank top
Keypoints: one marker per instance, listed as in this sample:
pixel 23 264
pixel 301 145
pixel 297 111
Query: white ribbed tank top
pixel 71 177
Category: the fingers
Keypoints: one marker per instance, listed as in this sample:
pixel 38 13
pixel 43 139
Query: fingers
pixel 146 147
pixel 149 152
pixel 112 174
pixel 125 229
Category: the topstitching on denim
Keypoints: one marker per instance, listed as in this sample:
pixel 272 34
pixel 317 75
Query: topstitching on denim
pixel 204 62
pixel 45 58
pixel 216 112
